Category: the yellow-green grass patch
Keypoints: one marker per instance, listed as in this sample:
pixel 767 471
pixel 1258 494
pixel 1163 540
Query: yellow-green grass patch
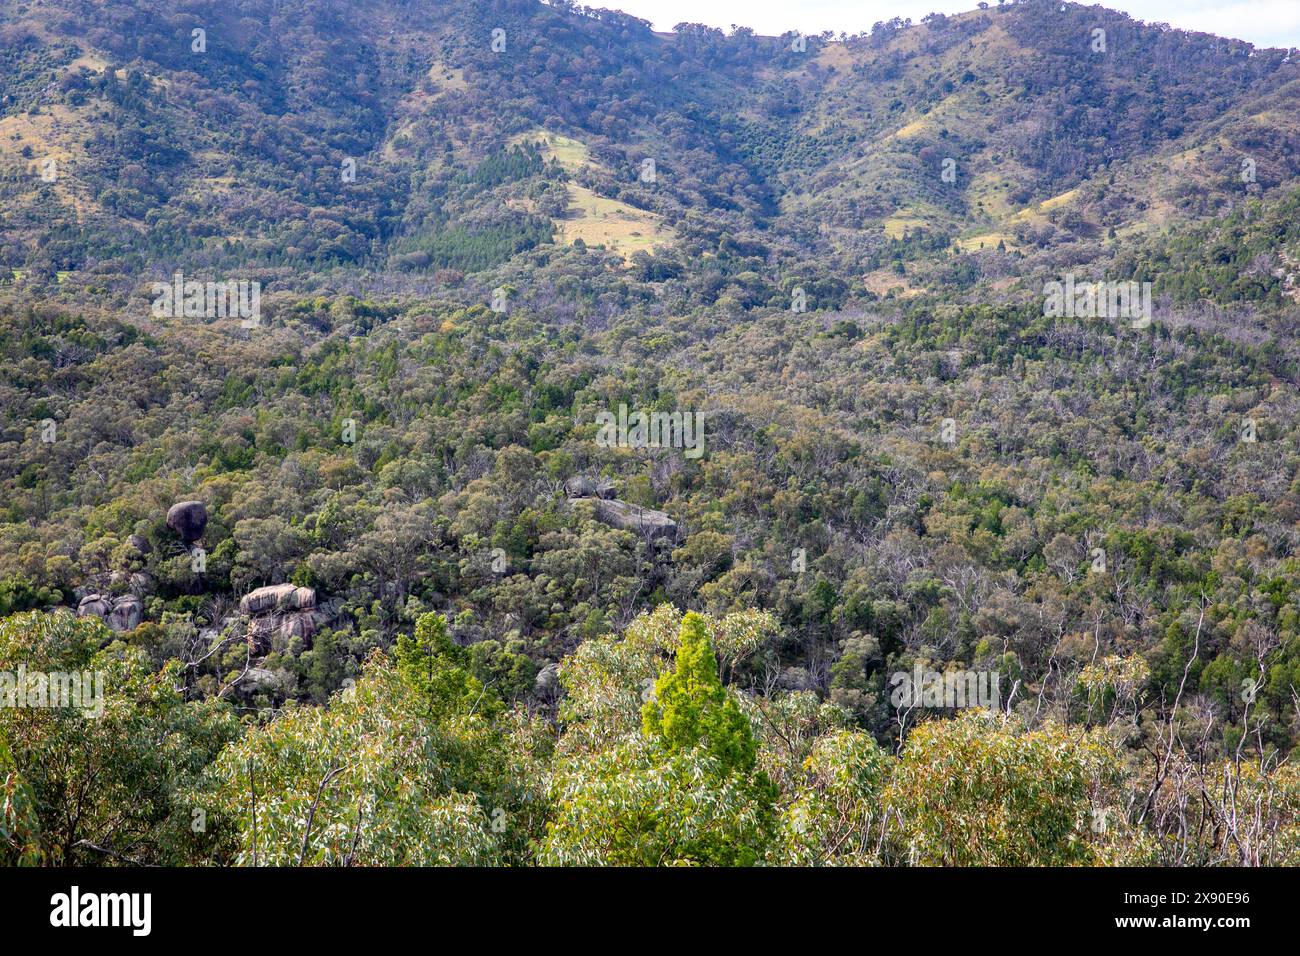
pixel 571 154
pixel 597 220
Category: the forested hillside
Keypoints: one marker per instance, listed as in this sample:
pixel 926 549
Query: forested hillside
pixel 366 560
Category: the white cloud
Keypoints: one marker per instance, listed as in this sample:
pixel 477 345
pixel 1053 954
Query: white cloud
pixel 1262 22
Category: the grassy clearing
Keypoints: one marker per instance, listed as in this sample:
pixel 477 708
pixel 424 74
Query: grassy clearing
pixel 56 133
pixel 988 240
pixel 571 154
pixel 898 224
pixel 447 77
pixel 597 220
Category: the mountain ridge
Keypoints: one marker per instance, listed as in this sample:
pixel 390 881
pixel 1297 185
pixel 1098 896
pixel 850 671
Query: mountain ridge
pixel 839 151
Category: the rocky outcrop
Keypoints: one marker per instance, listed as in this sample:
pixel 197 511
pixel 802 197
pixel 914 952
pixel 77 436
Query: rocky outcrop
pixel 277 597
pixel 127 613
pixel 580 486
pixel 619 514
pixel 94 604
pixel 547 683
pixel 630 517
pixel 279 611
pixel 141 543
pixel 120 614
pixel 188 519
pixel 259 680
pixel 298 625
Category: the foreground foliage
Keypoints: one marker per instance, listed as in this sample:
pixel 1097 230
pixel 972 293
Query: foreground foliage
pixel 654 762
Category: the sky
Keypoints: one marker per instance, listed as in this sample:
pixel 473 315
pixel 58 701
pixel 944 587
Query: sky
pixel 1262 22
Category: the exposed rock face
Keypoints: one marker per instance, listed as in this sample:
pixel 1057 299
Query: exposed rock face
pixel 548 680
pixel 278 597
pixel 123 614
pixel 141 544
pixel 261 680
pixel 127 613
pixel 188 519
pixel 580 486
pixel 95 604
pixel 282 611
pixel 298 625
pixel 630 517
pixel 620 514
